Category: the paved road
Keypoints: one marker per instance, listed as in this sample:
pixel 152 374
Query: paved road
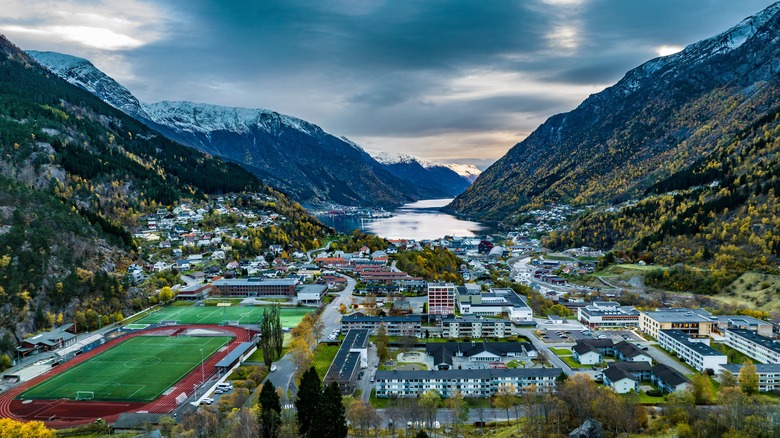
pixel 554 360
pixel 444 417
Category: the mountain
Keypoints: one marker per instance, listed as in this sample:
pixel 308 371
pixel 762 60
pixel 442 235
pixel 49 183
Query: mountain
pixel 291 154
pixel 468 171
pixel 679 163
pixel 661 117
pixel 441 180
pixel 76 176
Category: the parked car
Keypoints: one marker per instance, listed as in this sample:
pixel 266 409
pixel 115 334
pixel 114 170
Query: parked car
pixel 207 401
pixel 273 367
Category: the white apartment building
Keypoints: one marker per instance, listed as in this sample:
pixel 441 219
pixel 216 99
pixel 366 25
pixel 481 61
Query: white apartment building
pixel 695 352
pixel 749 343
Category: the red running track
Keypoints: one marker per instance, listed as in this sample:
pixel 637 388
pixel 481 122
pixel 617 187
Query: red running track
pixel 67 413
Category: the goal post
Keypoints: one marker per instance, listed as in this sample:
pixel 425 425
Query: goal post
pixel 85 395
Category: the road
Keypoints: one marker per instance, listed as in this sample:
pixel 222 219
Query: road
pixel 444 417
pixel 331 318
pixel 542 347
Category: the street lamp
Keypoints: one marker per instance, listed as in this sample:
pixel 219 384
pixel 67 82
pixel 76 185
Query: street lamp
pixel 19 359
pixel 100 322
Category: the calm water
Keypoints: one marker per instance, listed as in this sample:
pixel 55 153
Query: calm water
pixel 418 220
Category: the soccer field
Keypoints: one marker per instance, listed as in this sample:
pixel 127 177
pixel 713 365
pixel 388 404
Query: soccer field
pixel 290 317
pixel 139 369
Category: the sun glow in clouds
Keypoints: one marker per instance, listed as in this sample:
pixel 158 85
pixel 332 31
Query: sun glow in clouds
pixel 668 50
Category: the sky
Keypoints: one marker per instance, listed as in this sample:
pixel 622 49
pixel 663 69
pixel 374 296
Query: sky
pixel 456 81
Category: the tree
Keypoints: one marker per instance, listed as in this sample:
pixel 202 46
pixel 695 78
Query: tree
pixel 429 404
pixel 362 416
pixel 301 355
pixel 728 380
pixel 331 419
pixel 308 399
pixel 459 411
pixel 244 423
pixel 701 388
pixel 505 397
pixel 268 336
pixel 748 378
pixel 166 294
pixel 382 343
pixel 270 410
pixel 33 429
pixel 580 393
pixel 734 402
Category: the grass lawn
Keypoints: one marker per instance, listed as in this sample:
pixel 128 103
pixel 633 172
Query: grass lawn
pixel 733 355
pixel 139 369
pixel 257 356
pixel 183 303
pixel 571 362
pixel 215 315
pixel 649 400
pixel 323 357
pixel 379 403
pixel 561 351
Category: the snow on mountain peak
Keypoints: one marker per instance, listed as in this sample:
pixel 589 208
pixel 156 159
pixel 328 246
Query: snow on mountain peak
pixel 202 117
pixel 83 74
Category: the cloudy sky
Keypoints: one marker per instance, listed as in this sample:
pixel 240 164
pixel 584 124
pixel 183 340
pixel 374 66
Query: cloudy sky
pixel 449 80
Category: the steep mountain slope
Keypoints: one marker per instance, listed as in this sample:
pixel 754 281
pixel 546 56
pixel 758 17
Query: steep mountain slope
pixel 75 174
pixel 658 119
pixel 293 155
pixel 441 180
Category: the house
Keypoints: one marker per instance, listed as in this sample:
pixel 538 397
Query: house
pixel 668 379
pixel 183 264
pixel 642 371
pixel 620 380
pixel 628 352
pixel 586 354
pixel 59 337
pixel 486 352
pixel 160 266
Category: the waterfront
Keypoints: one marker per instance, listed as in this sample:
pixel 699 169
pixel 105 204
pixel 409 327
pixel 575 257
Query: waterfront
pixel 418 220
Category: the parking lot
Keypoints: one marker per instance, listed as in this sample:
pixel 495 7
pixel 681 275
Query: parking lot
pixel 556 335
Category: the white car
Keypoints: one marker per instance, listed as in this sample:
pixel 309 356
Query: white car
pixel 273 367
pixel 207 401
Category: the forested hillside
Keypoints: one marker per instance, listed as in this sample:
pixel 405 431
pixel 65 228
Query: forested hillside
pixel 76 176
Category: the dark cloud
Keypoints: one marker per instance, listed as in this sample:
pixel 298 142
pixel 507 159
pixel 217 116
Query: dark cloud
pixel 385 69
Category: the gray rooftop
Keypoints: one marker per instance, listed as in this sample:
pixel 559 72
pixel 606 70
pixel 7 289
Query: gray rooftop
pixel 252 281
pixel 678 315
pixel 734 368
pixel 469 374
pixel 235 354
pixel 685 339
pixel 752 336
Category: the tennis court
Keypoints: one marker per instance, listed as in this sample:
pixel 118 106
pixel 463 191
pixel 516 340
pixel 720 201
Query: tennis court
pixel 139 369
pixel 290 317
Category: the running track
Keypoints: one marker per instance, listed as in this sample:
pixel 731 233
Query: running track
pixel 72 413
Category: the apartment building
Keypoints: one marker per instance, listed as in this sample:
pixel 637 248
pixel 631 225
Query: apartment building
pixel 441 299
pixel 470 383
pixel 768 375
pixel 254 287
pixel 602 314
pixel 695 352
pixel 757 347
pixel 406 325
pixel 693 322
pixel 471 326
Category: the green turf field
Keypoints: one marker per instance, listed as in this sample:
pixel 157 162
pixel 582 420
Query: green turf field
pixel 139 369
pixel 215 315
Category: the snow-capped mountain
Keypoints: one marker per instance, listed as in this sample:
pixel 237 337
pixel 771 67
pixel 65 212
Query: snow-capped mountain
pixel 291 154
pixel 658 119
pixel 468 171
pixel 81 73
pixel 427 173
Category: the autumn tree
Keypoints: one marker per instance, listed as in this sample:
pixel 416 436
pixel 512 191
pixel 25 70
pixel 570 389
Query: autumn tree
pixel 301 355
pixel 166 294
pixel 382 343
pixel 429 405
pixel 701 388
pixel 748 378
pixel 29 429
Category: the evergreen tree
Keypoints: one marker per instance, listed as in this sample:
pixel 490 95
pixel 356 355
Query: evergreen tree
pixel 309 394
pixel 276 322
pixel 331 419
pixel 270 410
pixel 267 338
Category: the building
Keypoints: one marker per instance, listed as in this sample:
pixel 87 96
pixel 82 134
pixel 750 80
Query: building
pixel 255 287
pixel 628 352
pixel 470 383
pixel 620 380
pixel 351 357
pixel 445 354
pixel 694 322
pixel 194 293
pixel 600 314
pixel 311 293
pixel 471 326
pixel 742 322
pixel 497 302
pixel 401 325
pixel 59 337
pixel 757 347
pixel 695 352
pixel 668 379
pixel 768 375
pixel 586 354
pixel 441 299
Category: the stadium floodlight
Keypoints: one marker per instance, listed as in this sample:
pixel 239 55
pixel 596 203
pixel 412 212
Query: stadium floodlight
pixel 202 371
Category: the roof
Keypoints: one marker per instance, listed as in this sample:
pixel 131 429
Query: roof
pixel 486 373
pixel 761 368
pixel 472 319
pixel 255 281
pixel 53 336
pixel 346 361
pixel 699 347
pixel 615 374
pixel 598 343
pixel 633 367
pixel 232 356
pixel 678 315
pixel 472 348
pixel 629 350
pixel 669 375
pixel 359 317
pixel 754 337
pixel 581 348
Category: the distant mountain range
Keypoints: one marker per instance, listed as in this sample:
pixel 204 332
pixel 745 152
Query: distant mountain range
pixel 291 154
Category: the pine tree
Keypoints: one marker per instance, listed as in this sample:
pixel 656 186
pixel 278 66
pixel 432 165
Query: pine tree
pixel 309 394
pixel 270 410
pixel 331 416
